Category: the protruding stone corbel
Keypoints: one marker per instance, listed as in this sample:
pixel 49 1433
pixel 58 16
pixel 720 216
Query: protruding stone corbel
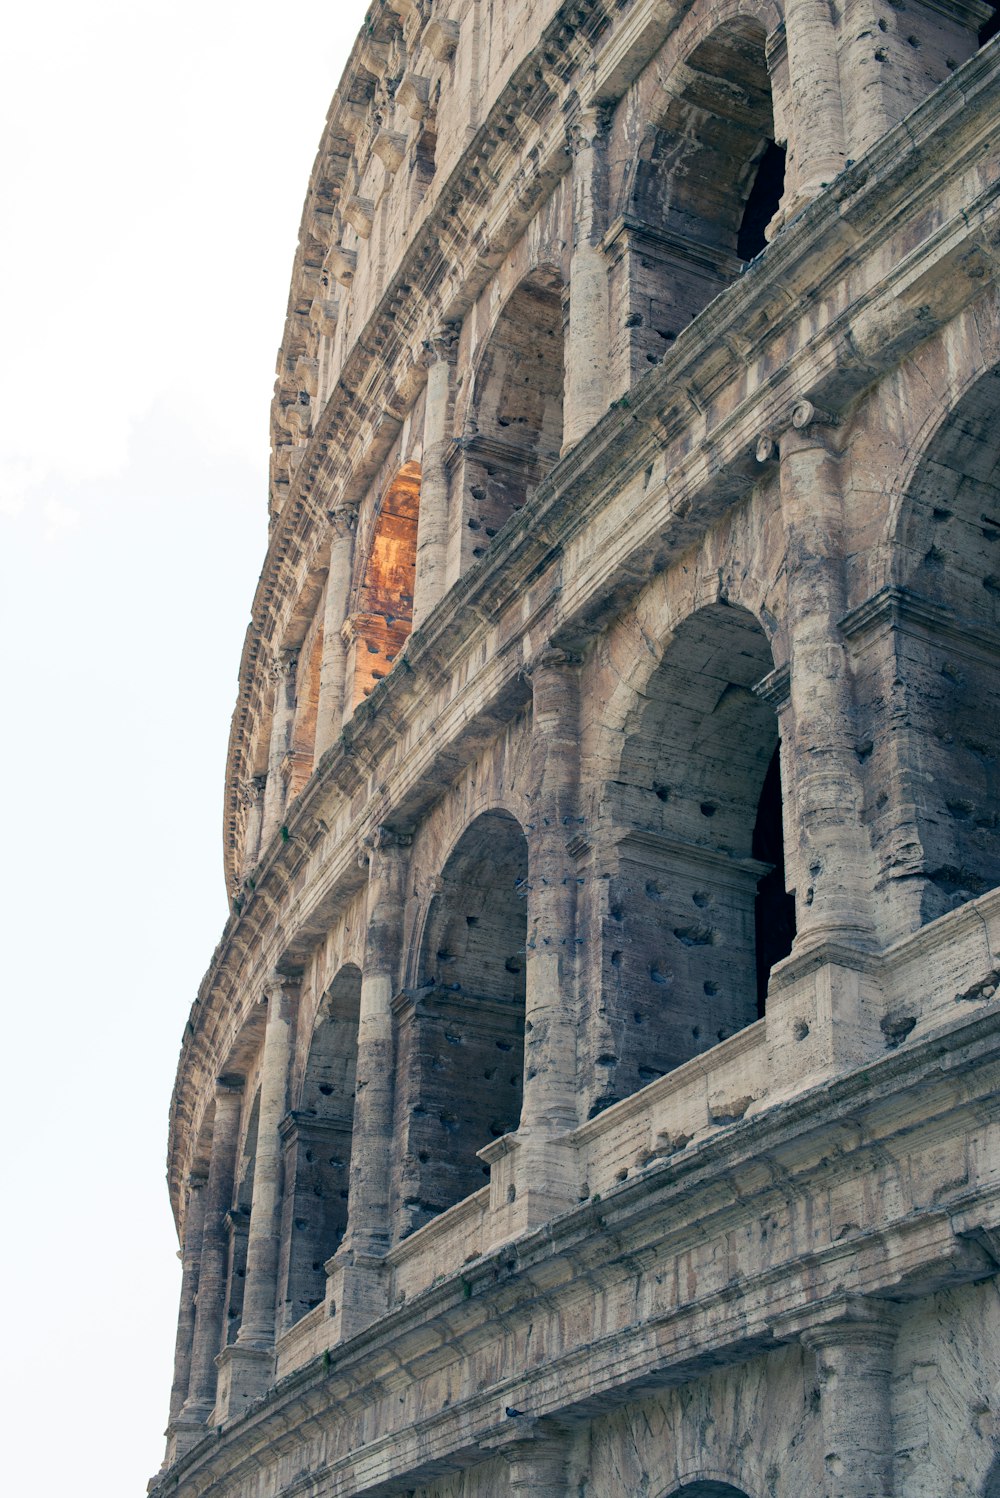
pixel 341 264
pixel 324 314
pixel 775 688
pixel 360 214
pixel 390 148
pixel 441 39
pixel 414 94
pixel 307 375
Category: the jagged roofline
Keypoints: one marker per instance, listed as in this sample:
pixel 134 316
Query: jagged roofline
pixel 396 322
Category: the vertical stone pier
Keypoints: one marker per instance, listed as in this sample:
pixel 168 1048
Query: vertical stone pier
pixel 246 1368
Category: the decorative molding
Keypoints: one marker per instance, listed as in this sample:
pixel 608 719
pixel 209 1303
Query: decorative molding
pixel 897 608
pixel 774 688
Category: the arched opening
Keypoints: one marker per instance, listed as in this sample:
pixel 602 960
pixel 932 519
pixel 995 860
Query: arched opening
pixel 384 617
pixel 298 764
pixel 317 1139
pixel 461 1032
pixel 708 1490
pixel 696 908
pixel 708 179
pixel 515 435
pixel 931 653
pixel 239 1225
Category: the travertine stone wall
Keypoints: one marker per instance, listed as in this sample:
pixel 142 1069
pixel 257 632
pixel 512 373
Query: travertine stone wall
pixel 595 1086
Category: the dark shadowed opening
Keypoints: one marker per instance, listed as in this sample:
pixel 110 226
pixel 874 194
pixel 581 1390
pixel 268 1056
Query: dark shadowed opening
pixel 696 906
pixel 774 907
pixel 317 1140
pixel 460 1033
pixel 763 202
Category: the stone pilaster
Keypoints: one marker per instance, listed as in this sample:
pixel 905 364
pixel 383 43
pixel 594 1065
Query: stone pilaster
pixel 829 861
pixel 433 515
pixel 194 1223
pixel 549 1107
pixel 585 394
pixel 853 1342
pixel 247 1367
pixel 332 670
pixel 356 1290
pixel 208 1333
pixel 283 672
pixel 252 801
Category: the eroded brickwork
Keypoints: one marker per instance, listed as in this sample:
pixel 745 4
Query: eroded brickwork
pixel 594 1090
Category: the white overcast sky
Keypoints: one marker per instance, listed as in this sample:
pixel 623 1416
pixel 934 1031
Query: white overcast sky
pixel 154 162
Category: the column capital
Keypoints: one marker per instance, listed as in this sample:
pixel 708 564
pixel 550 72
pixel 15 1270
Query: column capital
pixel 284 664
pixel 590 127
pixel 552 658
pixel 382 839
pixel 276 983
pixel 442 345
pixel 840 1322
pixel 343 520
pixel 229 1086
pixel 800 418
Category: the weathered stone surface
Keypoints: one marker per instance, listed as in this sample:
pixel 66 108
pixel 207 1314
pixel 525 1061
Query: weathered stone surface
pixel 612 791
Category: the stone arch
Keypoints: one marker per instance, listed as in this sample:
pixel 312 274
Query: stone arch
pixel 707 1488
pixel 460 1032
pixel 516 434
pixel 317 1144
pixel 928 647
pixel 694 850
pixel 695 203
pixel 383 616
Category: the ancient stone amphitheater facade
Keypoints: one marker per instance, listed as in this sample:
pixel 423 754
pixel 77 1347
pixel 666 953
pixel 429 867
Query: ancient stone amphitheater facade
pixel 594 1090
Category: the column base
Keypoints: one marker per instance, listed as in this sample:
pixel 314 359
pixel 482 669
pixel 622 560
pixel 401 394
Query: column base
pixel 533 1178
pixel 245 1375
pixel 184 1434
pixel 357 1292
pixel 824 1007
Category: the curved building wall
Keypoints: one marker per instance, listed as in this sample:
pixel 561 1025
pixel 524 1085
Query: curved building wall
pixel 594 1087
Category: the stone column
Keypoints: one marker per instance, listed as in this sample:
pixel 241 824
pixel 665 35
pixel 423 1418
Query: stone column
pixel 544 1166
pixel 194 1222
pixel 282 674
pixel 330 711
pixel 248 1365
pixel 830 859
pixel 208 1335
pixel 853 1342
pixel 816 123
pixel 252 800
pixel 585 394
pixel 356 1288
pixel 433 515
